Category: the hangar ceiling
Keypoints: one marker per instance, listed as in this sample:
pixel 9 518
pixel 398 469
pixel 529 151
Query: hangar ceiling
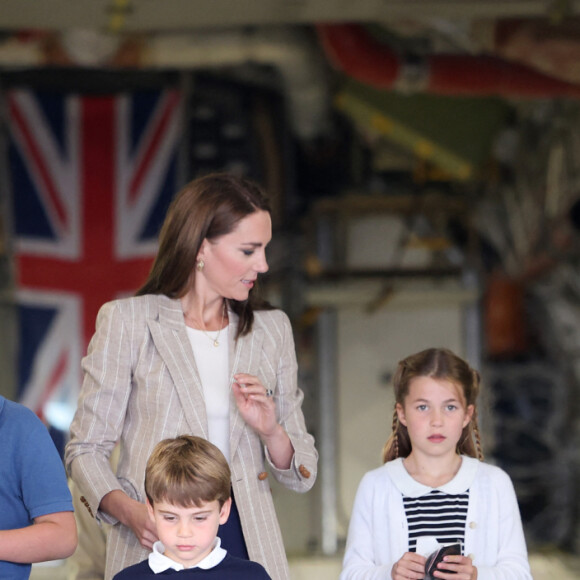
pixel 176 15
pixel 514 49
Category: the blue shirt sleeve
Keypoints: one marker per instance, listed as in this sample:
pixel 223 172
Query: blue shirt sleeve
pixel 43 478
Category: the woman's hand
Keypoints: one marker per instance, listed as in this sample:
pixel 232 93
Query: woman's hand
pixel 131 513
pixel 258 410
pixel 142 526
pixel 456 568
pixel 411 566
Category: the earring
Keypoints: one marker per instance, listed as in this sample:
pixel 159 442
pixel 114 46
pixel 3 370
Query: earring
pixel 200 264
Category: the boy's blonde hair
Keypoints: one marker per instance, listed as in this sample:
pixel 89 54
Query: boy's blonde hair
pixel 439 364
pixel 187 471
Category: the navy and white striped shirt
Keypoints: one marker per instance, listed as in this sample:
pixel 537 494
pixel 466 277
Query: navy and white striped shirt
pixel 437 514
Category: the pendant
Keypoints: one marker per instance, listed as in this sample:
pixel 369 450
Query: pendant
pixel 216 343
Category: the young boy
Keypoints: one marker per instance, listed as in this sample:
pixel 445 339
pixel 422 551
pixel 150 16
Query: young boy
pixel 36 510
pixel 187 483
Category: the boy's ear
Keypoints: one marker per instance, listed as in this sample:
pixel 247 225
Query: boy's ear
pixel 150 510
pixel 225 511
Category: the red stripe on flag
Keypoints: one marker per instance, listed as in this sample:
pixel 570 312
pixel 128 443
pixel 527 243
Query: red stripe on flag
pixel 108 274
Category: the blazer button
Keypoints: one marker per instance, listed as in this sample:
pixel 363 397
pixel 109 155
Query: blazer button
pixel 262 475
pixel 86 504
pixel 304 472
pixel 472 525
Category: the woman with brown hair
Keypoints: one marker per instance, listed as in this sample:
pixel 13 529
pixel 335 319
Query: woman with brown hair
pixel 196 352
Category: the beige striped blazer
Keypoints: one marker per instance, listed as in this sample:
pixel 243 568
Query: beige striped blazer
pixel 141 385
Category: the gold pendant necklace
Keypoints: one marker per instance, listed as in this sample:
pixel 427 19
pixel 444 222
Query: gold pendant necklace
pixel 215 340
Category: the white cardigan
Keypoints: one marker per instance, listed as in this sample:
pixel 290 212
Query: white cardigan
pixel 378 535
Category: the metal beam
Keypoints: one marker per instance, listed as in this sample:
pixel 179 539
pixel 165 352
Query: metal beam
pixel 183 15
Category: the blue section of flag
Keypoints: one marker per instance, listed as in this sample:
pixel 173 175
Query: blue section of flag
pixel 30 218
pixel 143 105
pixel 33 323
pixel 53 107
pixel 153 223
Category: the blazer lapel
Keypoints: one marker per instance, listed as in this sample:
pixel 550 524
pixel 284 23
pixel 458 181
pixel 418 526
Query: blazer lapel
pixel 244 358
pixel 170 338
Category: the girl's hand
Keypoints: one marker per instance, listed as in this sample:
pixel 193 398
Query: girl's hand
pixel 411 566
pixel 456 568
pixel 255 406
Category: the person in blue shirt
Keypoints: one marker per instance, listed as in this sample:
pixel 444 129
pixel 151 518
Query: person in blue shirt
pixel 187 484
pixel 36 511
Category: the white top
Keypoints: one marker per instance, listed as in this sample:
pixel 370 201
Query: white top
pixel 213 366
pixel 378 534
pixel 159 562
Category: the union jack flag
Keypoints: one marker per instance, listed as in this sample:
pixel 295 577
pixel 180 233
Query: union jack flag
pixel 91 177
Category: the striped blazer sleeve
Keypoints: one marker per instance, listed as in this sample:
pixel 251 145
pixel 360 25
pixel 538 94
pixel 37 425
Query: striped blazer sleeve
pixel 289 397
pixel 101 408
